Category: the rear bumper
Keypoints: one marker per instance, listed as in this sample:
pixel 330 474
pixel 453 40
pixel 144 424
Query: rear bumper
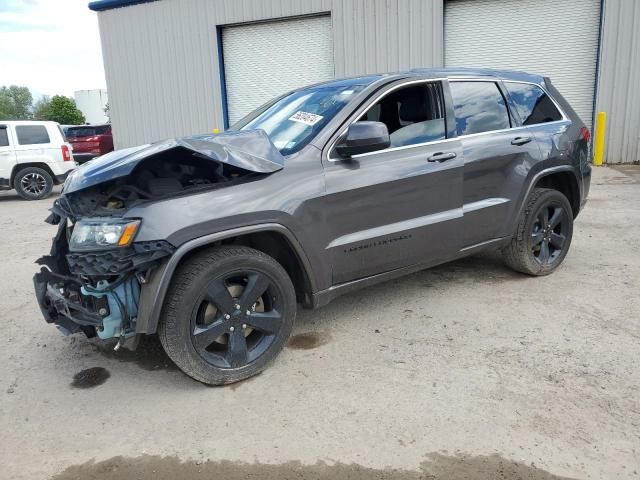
pixel 84 157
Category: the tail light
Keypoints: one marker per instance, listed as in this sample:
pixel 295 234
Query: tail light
pixel 66 153
pixel 585 134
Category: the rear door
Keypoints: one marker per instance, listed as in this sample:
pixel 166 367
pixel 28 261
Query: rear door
pixel 34 144
pixel 498 156
pixel 7 155
pixel 402 205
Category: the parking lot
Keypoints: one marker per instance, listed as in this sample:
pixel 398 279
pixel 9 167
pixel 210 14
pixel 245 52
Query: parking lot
pixel 467 370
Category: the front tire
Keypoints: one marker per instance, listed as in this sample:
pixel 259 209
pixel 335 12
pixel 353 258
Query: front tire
pixel 543 235
pixel 33 183
pixel 228 313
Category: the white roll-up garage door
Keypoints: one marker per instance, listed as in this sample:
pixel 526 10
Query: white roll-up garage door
pixel 558 39
pixel 264 60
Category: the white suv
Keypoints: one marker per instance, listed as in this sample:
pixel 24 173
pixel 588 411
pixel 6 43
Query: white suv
pixel 34 156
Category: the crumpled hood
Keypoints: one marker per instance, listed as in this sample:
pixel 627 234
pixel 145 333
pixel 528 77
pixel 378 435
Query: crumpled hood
pixel 250 150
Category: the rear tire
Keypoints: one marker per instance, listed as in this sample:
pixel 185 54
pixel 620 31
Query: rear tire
pixel 544 233
pixel 33 183
pixel 213 328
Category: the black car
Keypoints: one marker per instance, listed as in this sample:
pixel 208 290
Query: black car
pixel 212 240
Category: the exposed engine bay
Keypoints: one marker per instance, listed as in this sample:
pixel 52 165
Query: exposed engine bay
pixel 172 172
pixel 97 291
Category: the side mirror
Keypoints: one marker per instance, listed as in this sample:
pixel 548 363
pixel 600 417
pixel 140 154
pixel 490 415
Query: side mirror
pixel 363 137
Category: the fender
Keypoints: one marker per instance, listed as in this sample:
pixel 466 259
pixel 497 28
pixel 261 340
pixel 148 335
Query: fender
pixel 155 289
pixel 535 179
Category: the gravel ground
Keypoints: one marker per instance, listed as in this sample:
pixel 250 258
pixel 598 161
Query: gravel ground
pixel 463 371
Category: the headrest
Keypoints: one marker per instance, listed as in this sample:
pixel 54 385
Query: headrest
pixel 413 110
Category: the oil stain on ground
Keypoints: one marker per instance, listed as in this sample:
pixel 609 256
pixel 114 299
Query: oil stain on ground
pixel 91 377
pixel 308 340
pixel 438 467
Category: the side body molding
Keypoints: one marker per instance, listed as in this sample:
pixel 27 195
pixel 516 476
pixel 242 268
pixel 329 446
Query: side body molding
pixel 155 290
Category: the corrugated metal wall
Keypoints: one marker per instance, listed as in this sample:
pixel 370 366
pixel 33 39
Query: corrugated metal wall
pixel 619 78
pixel 161 58
pixel 555 39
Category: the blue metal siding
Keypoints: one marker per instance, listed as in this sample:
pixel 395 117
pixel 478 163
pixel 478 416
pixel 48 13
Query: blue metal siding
pixel 101 5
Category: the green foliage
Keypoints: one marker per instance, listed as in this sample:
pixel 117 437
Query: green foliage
pixel 41 108
pixel 15 103
pixel 63 110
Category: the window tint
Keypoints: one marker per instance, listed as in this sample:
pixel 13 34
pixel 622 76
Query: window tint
pixel 32 134
pixel 4 136
pixel 90 131
pixel 479 107
pixel 412 114
pixel 532 104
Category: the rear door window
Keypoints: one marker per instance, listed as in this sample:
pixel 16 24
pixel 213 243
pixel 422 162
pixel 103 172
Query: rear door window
pixel 412 114
pixel 4 136
pixel 32 134
pixel 479 107
pixel 532 103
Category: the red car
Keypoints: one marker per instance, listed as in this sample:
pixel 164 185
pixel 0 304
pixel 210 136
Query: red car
pixel 89 141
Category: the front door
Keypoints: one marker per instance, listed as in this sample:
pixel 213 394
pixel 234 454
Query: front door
pixel 402 205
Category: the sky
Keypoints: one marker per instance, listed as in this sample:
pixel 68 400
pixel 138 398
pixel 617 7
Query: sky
pixel 50 46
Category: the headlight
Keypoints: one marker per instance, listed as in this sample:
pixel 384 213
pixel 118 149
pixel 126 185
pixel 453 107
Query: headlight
pixel 101 234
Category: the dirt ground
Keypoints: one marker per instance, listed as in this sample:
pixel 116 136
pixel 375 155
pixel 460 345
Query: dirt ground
pixel 463 371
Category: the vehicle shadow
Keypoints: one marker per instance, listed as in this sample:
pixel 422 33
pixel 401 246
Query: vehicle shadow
pixel 12 196
pixel 487 267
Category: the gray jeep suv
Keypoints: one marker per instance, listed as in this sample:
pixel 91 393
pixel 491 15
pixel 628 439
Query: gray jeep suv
pixel 212 240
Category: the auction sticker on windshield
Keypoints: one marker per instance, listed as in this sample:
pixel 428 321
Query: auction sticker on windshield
pixel 305 117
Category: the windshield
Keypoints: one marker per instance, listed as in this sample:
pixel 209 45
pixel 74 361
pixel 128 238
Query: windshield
pixel 293 120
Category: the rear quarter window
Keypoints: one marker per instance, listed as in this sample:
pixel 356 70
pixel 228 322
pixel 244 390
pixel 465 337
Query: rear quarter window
pixel 32 134
pixel 532 103
pixel 4 136
pixel 479 107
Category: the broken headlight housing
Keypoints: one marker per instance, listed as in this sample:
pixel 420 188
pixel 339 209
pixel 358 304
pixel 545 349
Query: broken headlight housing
pixel 102 234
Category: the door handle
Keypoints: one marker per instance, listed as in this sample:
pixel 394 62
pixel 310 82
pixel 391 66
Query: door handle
pixel 520 140
pixel 441 157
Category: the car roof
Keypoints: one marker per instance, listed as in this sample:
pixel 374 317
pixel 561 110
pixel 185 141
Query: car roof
pixel 427 73
pixel 91 125
pixel 27 122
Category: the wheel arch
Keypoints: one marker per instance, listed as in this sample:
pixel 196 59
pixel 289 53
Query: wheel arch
pixel 565 182
pixel 18 167
pixel 273 239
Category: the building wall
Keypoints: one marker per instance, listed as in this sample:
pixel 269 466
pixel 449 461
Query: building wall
pixel 161 58
pixel 92 103
pixel 619 78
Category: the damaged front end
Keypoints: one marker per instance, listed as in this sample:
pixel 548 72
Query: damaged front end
pixel 94 276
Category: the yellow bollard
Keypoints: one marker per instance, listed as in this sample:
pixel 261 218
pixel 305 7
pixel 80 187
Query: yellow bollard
pixel 598 142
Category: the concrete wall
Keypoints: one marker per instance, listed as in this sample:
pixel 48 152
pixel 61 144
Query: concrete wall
pixel 161 58
pixel 619 80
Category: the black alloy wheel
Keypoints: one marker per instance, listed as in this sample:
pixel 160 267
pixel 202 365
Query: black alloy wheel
pixel 227 314
pixel 236 319
pixel 549 233
pixel 543 235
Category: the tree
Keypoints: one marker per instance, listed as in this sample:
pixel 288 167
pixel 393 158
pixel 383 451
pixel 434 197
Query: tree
pixel 15 103
pixel 41 108
pixel 63 110
pixel 107 112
